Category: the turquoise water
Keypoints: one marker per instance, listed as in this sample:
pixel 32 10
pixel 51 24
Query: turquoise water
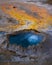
pixel 25 39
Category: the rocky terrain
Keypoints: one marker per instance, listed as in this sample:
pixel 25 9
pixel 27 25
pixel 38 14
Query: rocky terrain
pixel 40 54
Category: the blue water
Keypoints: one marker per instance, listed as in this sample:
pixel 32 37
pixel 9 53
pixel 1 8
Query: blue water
pixel 2 33
pixel 25 39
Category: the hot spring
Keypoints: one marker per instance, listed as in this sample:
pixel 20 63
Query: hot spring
pixel 25 39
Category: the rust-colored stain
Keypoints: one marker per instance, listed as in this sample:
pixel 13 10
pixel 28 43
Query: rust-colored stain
pixel 29 16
